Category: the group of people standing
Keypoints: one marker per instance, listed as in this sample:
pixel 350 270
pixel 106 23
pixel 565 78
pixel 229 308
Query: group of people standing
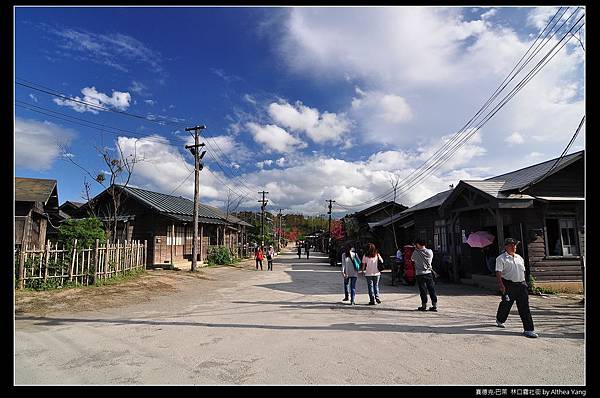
pixel 259 255
pixel 510 273
pixel 371 264
pixel 306 249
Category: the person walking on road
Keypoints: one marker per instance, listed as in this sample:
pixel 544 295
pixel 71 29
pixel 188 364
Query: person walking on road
pixel 270 255
pixel 307 249
pixel 423 257
pixel 259 256
pixel 350 273
pixel 369 268
pixel 510 273
pixel 299 250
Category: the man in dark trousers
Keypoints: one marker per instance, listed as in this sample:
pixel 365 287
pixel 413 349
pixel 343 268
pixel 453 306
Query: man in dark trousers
pixel 423 258
pixel 510 273
pixel 307 248
pixel 299 250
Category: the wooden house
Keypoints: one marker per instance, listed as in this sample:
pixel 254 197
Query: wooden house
pixel 166 223
pixel 542 206
pixel 36 210
pixel 69 209
pixel 420 221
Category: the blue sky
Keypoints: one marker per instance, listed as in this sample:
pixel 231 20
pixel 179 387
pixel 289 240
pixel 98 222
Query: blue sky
pixel 307 103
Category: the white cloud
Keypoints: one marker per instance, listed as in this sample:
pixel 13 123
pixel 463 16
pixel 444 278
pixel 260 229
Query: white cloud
pixel 514 138
pixel 264 163
pixel 250 99
pixel 539 16
pixel 488 14
pixel 320 128
pixel 228 148
pixel 280 162
pixel 139 88
pixel 118 100
pixel 33 97
pixel 37 143
pixel 115 50
pixel 274 138
pixel 443 67
pixel 150 102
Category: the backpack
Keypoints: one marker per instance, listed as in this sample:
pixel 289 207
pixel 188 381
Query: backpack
pixel 355 261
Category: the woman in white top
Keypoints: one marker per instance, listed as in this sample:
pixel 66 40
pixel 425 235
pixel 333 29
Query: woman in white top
pixel 369 263
pixel 350 273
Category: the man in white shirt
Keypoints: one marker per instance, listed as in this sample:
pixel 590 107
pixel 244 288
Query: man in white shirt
pixel 510 273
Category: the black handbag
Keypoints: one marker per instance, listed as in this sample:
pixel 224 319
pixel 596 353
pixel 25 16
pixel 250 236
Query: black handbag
pixel 380 266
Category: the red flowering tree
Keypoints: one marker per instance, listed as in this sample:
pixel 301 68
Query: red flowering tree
pixel 337 230
pixel 292 235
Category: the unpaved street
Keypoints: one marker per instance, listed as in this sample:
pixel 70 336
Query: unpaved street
pixel 236 325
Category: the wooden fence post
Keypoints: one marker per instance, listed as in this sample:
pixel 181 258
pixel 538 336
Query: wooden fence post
pixel 137 249
pixel 106 259
pixel 145 253
pixel 46 259
pixel 73 254
pixel 22 266
pixel 95 262
pixel 118 256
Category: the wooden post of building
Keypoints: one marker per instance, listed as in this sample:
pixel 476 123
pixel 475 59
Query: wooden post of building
pixel 201 240
pixel 500 230
pixel 22 266
pixel 172 241
pixel 73 254
pixel 145 253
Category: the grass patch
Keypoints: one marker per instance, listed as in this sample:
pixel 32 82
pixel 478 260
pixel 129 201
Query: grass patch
pixel 120 278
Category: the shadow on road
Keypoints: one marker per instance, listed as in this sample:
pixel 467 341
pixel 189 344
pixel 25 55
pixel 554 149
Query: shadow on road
pixel 472 329
pixel 330 280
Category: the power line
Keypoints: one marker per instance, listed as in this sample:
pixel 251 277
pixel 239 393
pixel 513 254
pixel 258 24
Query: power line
pixel 559 158
pixel 55 93
pixel 442 155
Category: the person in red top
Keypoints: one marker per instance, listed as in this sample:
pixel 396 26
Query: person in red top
pixel 259 256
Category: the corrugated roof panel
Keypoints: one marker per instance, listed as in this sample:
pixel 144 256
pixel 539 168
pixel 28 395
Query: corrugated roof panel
pixel 523 177
pixel 433 201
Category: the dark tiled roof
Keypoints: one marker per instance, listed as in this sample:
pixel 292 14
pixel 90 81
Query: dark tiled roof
pixel 433 201
pixel 179 207
pixel 523 177
pixel 33 189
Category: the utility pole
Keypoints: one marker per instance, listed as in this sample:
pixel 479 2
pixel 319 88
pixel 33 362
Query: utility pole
pixel 329 212
pixel 197 167
pixel 279 231
pixel 263 203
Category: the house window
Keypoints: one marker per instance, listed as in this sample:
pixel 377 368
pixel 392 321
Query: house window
pixel 178 238
pixel 440 236
pixel 562 237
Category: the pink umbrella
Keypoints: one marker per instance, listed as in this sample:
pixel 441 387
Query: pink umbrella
pixel 480 239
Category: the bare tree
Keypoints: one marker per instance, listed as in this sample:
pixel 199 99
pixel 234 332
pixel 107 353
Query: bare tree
pixel 120 170
pixel 232 204
pixel 87 197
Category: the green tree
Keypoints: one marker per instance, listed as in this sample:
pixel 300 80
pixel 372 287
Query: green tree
pixel 86 231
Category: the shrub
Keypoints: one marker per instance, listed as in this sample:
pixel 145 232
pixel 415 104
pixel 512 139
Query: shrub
pixel 538 290
pixel 86 231
pixel 219 255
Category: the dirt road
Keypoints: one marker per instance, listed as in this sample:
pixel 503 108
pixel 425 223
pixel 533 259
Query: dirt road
pixel 236 325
